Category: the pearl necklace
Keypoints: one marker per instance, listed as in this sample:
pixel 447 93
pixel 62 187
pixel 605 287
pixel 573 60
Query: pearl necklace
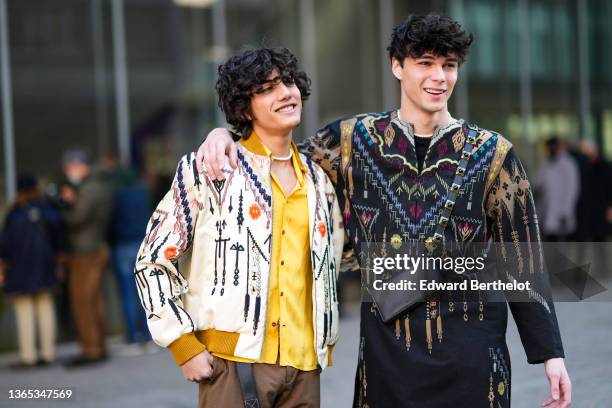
pixel 288 157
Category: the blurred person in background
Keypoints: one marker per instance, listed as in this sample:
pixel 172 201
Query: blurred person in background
pixel 593 207
pixel 31 245
pixel 131 212
pixel 88 205
pixel 584 204
pixel 597 192
pixel 557 184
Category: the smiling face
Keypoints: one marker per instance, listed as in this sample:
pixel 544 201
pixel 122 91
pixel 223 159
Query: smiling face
pixel 276 105
pixel 427 82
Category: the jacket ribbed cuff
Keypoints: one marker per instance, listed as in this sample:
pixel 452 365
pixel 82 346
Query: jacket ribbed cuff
pixel 185 348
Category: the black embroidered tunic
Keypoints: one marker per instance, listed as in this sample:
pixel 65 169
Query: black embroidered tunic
pixel 451 350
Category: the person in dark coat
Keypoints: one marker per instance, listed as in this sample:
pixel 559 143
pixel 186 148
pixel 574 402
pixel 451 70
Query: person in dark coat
pixel 128 224
pixel 89 201
pixel 30 245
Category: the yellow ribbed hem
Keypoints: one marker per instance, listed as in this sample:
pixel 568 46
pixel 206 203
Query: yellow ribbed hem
pixel 217 341
pixel 191 344
pixel 236 359
pixel 185 348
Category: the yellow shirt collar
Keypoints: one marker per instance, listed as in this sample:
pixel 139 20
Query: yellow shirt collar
pixel 256 146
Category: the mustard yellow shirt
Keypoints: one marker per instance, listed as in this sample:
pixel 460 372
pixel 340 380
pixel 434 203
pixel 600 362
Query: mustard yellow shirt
pixel 289 337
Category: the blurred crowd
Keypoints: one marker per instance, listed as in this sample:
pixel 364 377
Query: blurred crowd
pixel 573 188
pixel 57 244
pixel 55 249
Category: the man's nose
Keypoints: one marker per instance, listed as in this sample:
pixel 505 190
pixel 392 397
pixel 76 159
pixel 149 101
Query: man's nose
pixel 437 73
pixel 283 91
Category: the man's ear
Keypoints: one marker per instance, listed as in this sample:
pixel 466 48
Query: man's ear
pixel 396 68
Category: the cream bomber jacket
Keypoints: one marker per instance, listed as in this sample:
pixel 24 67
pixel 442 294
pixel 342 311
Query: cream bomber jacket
pixel 205 261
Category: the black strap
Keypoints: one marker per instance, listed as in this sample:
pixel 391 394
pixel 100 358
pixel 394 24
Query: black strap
pixel 247 385
pixel 432 242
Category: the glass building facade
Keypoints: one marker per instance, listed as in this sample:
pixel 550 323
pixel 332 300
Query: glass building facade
pixel 137 76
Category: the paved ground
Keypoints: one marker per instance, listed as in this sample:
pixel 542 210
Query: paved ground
pixel 151 380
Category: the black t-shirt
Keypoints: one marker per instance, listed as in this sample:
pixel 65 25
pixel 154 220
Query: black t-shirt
pixel 421 144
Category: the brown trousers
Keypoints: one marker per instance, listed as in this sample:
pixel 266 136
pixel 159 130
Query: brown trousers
pixel 277 387
pixel 85 272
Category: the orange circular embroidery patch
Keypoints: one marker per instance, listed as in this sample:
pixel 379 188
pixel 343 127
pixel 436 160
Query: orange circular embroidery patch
pixel 322 229
pixel 254 211
pixel 170 252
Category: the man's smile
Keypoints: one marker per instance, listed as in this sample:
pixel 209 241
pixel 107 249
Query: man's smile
pixel 288 108
pixel 434 91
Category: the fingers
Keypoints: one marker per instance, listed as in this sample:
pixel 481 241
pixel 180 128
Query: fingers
pixel 198 368
pixel 203 374
pixel 566 391
pixel 200 156
pixel 210 162
pixel 212 165
pixel 233 155
pixel 554 385
pixel 211 153
pixel 550 403
pixel 220 161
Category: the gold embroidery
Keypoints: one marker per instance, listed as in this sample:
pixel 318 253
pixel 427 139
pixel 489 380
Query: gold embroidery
pixel 398 331
pixel 491 395
pixel 501 388
pixel 407 329
pixel 428 335
pixel 458 140
pixel 389 135
pixel 346 142
pixel 396 241
pixel 501 149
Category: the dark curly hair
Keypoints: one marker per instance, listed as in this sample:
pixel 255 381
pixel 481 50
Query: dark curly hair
pixel 240 75
pixel 419 34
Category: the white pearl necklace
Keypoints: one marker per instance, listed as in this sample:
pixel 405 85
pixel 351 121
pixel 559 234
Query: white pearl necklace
pixel 289 156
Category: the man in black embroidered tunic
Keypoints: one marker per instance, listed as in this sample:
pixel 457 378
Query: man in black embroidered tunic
pixel 391 172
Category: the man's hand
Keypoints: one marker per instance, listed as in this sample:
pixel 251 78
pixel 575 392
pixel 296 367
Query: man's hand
pixel 560 385
pixel 212 152
pixel 199 368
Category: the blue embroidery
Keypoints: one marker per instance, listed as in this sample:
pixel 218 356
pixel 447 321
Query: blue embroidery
pixel 184 202
pixel 267 197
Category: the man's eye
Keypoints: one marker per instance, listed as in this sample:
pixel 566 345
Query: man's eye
pixel 451 66
pixel 425 63
pixel 263 90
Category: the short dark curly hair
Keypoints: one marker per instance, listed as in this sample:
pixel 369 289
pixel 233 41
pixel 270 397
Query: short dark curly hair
pixel 419 34
pixel 242 73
